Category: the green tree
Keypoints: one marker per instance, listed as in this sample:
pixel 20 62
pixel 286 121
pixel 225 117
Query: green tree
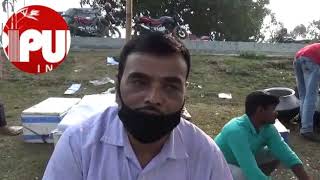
pixel 299 30
pixel 313 30
pixel 230 20
pixel 272 30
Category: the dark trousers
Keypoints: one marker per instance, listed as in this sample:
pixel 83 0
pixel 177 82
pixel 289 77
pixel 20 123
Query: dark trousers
pixel 3 121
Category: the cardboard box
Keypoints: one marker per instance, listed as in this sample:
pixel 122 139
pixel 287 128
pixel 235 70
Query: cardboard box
pixel 41 119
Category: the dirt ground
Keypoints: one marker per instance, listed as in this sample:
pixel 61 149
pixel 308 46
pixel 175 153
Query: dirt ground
pixel 210 75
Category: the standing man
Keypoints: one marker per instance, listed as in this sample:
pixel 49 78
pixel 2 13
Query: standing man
pixel 307 70
pixel 144 138
pixel 7 130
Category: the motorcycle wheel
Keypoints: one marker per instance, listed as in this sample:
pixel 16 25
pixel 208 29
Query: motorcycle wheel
pixel 136 33
pixel 212 37
pixel 73 30
pixel 115 33
pixel 180 33
pixel 110 31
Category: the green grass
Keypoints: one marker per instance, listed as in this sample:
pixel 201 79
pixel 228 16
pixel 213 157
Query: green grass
pixel 215 74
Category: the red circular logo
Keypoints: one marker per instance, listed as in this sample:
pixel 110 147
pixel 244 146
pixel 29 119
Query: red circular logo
pixel 36 39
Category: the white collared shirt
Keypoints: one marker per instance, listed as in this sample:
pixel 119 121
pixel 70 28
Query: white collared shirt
pixel 99 149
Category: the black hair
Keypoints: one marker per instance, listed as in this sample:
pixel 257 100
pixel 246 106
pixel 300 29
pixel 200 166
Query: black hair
pixel 155 43
pixel 259 98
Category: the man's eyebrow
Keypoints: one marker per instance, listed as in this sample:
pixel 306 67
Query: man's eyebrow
pixel 138 75
pixel 173 80
pixel 170 79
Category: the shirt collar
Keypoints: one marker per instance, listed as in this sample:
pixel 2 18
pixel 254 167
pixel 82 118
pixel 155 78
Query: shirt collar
pixel 175 148
pixel 114 130
pixel 249 124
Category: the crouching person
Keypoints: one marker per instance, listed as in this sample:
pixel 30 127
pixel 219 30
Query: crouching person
pixel 252 145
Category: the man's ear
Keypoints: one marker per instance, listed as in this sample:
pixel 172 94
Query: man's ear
pixel 186 85
pixel 117 83
pixel 260 109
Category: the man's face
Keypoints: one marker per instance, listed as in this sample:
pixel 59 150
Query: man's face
pixel 269 114
pixel 154 84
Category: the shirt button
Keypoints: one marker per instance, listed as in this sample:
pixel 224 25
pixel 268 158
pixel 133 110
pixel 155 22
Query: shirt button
pixel 141 177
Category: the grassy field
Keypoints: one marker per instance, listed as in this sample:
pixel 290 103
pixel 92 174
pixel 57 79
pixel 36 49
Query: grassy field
pixel 210 75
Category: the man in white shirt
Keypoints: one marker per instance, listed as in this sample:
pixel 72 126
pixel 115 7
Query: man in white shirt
pixel 145 137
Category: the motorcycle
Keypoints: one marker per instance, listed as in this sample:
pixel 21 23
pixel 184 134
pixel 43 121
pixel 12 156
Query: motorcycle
pixel 165 24
pixel 93 25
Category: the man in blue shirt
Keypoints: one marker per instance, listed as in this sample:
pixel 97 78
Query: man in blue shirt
pixel 144 138
pixel 252 145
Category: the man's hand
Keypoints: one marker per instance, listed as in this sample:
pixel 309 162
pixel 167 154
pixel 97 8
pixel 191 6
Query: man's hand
pixel 299 171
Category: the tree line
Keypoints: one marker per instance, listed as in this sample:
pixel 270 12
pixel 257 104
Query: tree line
pixel 227 20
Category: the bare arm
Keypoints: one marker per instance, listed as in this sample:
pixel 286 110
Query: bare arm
pixel 299 171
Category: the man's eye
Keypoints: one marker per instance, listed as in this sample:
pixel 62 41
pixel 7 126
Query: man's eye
pixel 172 87
pixel 138 82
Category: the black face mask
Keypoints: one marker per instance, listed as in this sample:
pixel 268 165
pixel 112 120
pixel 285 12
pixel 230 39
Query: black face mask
pixel 148 128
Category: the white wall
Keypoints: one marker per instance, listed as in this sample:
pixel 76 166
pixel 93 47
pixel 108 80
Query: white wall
pixel 201 47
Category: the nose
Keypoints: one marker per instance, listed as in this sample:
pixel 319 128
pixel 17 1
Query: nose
pixel 154 97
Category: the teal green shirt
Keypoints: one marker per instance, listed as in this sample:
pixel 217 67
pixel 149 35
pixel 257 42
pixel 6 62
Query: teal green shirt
pixel 239 141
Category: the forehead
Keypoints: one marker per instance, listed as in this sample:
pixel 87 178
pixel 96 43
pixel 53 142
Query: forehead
pixel 157 66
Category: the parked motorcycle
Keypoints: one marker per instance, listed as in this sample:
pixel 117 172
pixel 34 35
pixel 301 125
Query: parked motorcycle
pixel 91 23
pixel 165 24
